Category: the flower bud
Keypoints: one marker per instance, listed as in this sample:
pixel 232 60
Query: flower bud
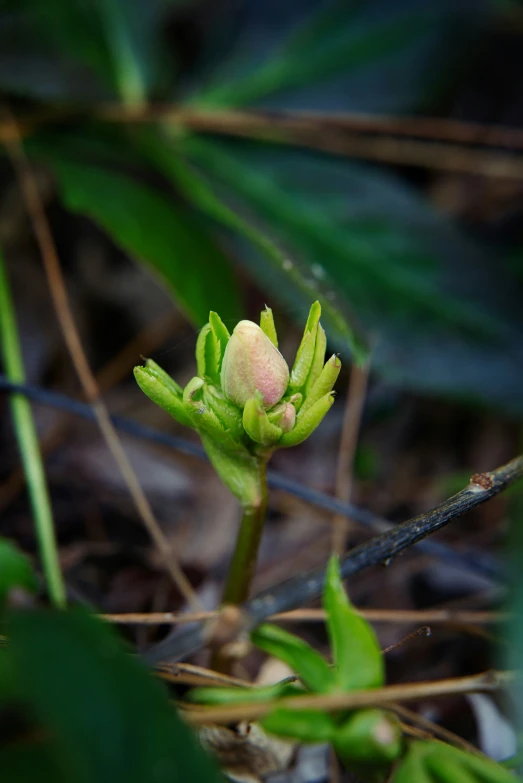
pixel 251 364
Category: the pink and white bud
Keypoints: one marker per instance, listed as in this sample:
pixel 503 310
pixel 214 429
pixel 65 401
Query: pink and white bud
pixel 252 363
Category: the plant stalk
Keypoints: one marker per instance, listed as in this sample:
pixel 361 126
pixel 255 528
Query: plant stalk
pixel 243 563
pixel 29 447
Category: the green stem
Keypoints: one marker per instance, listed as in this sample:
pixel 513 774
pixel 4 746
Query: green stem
pixel 243 563
pixel 28 444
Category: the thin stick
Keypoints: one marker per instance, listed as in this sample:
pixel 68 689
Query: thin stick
pixel 72 338
pixel 485 682
pixel 350 430
pixel 400 616
pixel 29 447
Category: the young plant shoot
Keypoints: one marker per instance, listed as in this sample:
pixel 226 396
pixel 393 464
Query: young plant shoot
pixel 245 403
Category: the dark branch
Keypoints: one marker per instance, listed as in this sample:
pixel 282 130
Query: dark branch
pixel 298 590
pixel 474 561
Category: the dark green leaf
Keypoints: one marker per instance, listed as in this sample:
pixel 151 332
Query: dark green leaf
pixel 116 39
pixel 281 272
pixel 355 649
pixel 15 570
pixel 441 314
pixel 150 227
pixel 111 718
pixel 335 40
pixel 303 659
pixel 303 725
pixel 36 759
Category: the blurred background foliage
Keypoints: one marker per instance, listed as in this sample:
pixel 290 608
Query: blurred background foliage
pixel 433 298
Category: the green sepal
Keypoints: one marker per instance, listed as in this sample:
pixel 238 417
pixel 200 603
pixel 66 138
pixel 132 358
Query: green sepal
pixel 355 650
pixel 221 335
pixel 324 383
pixel 307 421
pixel 369 737
pixel 312 669
pixel 208 355
pixel 257 425
pixel 305 354
pixel 295 399
pixel 229 415
pixel 164 376
pixel 217 696
pixel 202 416
pixel 153 385
pixel 239 470
pixel 318 360
pixel 268 326
pixel 302 725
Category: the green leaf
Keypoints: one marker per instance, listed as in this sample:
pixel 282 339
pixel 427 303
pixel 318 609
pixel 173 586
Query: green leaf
pixel 166 155
pixel 151 228
pixel 118 39
pixel 111 719
pixel 369 737
pixel 355 649
pixel 15 570
pixel 242 695
pixel 442 316
pixel 303 659
pixel 302 725
pixel 332 41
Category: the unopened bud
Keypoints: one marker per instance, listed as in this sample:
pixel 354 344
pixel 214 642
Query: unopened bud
pixel 251 364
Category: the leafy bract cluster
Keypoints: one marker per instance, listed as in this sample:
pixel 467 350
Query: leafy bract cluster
pixel 245 402
pixel 369 740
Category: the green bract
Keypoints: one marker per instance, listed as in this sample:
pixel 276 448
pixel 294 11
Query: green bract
pixel 244 402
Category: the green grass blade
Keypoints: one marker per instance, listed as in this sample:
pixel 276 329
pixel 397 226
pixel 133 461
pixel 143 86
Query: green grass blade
pixel 28 443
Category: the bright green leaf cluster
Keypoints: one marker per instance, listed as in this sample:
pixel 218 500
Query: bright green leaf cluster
pixel 244 402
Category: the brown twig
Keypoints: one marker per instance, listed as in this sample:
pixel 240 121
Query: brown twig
pixel 434 729
pixel 65 317
pixel 354 404
pixel 485 682
pixel 401 616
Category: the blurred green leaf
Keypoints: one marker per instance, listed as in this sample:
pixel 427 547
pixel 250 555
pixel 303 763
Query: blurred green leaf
pixel 148 225
pixel 355 650
pixel 302 725
pixel 111 719
pixel 303 659
pixel 34 759
pixel 441 315
pixel 243 695
pixel 281 272
pixel 15 570
pixel 334 39
pixel 118 40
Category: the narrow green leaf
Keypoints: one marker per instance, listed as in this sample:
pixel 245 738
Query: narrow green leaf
pixel 318 360
pixel 302 725
pixel 242 695
pixel 221 335
pixel 28 444
pixel 355 649
pixel 165 377
pixel 267 325
pixel 119 726
pixel 330 43
pixel 324 383
pixel 478 767
pixel 156 389
pixel 303 659
pixel 307 421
